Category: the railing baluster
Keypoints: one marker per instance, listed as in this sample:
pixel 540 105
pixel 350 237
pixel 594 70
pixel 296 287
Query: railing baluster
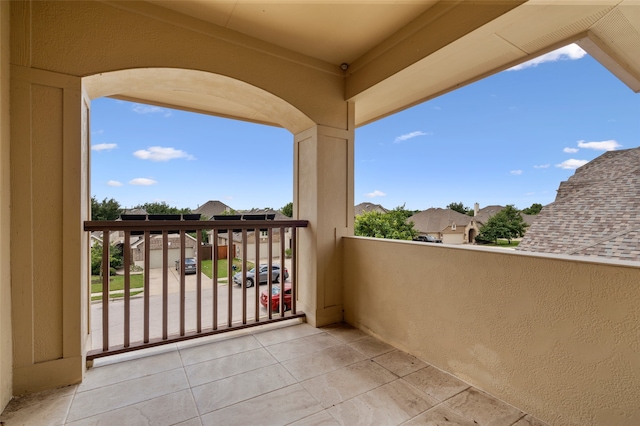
pixel 282 268
pixel 127 287
pixel 165 285
pixel 269 262
pixel 214 262
pixel 198 281
pixel 106 276
pixel 256 237
pixel 256 276
pixel 294 270
pixel 182 283
pixel 147 272
pixel 230 257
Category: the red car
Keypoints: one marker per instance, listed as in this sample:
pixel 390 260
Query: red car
pixel 275 297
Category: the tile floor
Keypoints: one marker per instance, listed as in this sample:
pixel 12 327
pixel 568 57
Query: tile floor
pixel 293 374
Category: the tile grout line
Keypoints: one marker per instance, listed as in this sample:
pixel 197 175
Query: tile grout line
pixel 193 398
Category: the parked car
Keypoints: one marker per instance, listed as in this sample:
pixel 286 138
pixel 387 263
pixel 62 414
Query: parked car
pixel 189 266
pixel 264 271
pixel 275 297
pixel 427 239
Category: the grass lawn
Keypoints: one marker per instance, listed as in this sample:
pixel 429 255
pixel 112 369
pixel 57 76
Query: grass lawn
pixel 137 280
pixel 115 296
pixel 505 243
pixel 207 267
pixel 116 282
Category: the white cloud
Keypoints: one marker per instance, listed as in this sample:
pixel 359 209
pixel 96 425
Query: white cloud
pixel 375 193
pixel 437 108
pixel 570 150
pixel 542 166
pixel 150 109
pixel 104 146
pixel 610 145
pixel 142 181
pixel 97 132
pixel 409 136
pixel 516 172
pixel 159 153
pixel 114 183
pixel 571 164
pixel 570 52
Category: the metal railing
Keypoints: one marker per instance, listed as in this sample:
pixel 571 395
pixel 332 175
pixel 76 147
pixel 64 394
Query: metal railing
pixel 201 306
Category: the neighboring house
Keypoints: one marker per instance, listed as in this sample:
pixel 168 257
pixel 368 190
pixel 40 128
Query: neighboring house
pixel 448 225
pixel 155 250
pixel 275 214
pixel 155 253
pixel 223 240
pixel 95 238
pixel 482 215
pixel 133 211
pixel 596 211
pixel 212 208
pixel 368 207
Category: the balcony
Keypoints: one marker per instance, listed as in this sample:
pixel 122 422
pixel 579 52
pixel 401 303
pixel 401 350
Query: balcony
pixel 277 374
pixel 435 333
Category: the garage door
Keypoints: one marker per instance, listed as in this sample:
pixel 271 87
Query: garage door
pixel 155 259
pixel 453 238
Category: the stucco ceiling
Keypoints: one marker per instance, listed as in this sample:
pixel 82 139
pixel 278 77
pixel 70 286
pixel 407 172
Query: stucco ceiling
pixel 400 53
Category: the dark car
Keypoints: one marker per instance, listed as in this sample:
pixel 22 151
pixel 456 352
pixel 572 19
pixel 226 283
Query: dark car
pixel 189 266
pixel 264 271
pixel 427 239
pixel 275 298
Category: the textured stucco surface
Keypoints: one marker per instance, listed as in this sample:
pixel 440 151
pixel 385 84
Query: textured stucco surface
pixel 89 38
pixel 556 337
pixel 5 199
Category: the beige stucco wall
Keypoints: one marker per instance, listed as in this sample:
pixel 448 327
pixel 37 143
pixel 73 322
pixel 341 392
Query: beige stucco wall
pixel 556 337
pixel 6 359
pixel 84 38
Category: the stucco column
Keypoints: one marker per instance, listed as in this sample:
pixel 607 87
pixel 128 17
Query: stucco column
pixel 323 195
pixel 6 358
pixel 49 249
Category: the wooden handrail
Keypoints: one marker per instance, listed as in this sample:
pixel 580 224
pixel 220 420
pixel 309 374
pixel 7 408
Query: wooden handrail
pixel 188 225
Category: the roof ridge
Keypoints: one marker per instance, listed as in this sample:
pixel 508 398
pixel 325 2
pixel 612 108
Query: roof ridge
pixel 604 239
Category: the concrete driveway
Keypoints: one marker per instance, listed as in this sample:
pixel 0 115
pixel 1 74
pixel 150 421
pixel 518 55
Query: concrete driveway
pixel 116 308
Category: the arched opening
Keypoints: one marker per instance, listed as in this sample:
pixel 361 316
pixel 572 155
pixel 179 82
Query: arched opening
pixel 198 91
pixel 193 93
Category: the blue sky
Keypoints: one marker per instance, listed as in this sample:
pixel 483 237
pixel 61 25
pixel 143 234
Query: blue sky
pixel 508 139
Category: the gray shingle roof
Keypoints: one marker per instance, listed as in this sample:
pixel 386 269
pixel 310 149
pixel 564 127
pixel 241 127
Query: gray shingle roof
pixel 596 211
pixel 436 219
pixel 368 207
pixel 212 208
pixel 485 213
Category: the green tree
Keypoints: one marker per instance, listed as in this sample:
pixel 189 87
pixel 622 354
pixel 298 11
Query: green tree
pixel 229 212
pixel 391 225
pixel 162 208
pixel 534 209
pixel 287 210
pixel 507 224
pixel 115 258
pixel 460 208
pixel 105 210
